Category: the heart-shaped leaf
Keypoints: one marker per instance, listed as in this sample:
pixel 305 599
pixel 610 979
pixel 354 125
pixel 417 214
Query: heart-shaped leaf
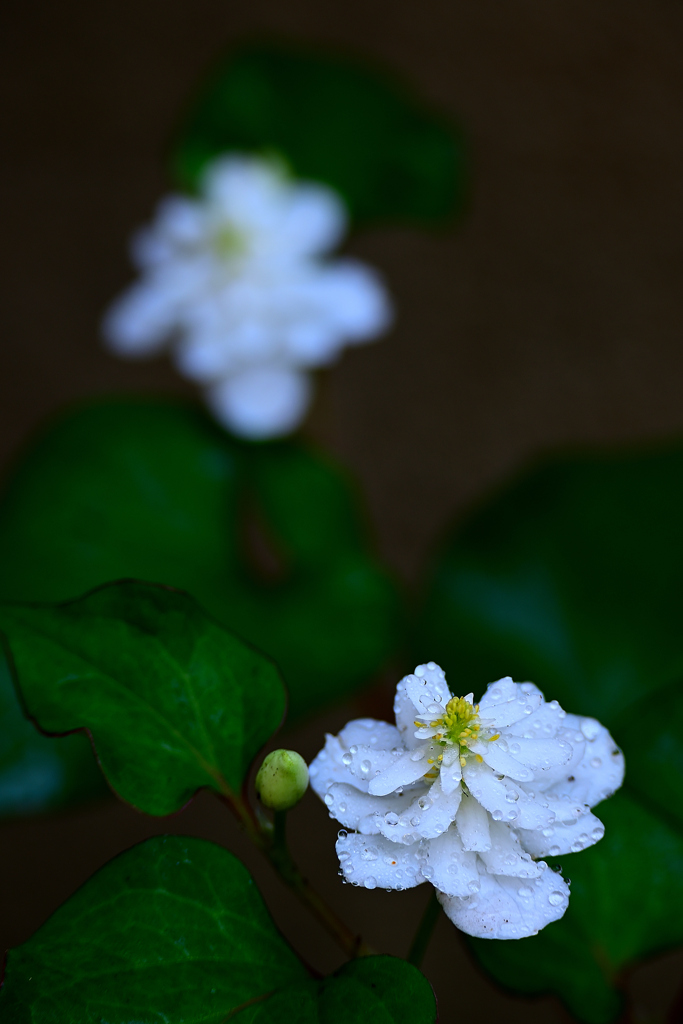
pixel 171 699
pixel 176 930
pixel 571 578
pixel 333 121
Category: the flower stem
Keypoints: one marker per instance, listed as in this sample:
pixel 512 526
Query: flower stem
pixel 271 841
pixel 424 930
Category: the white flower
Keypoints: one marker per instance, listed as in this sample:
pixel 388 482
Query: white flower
pixel 466 795
pixel 235 280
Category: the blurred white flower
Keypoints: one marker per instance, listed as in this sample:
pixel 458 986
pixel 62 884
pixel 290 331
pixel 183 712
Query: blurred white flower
pixel 466 795
pixel 235 280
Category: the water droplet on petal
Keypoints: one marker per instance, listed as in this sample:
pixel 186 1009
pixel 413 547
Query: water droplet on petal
pixel 596 762
pixel 548 832
pixel 329 799
pixel 347 758
pixel 474 885
pixel 365 767
pixel 415 821
pixel 342 808
pixel 370 882
pixel 511 796
pixel 353 750
pixel 369 853
pixel 496 815
pixel 597 834
pixel 424 803
pixel 391 818
pixel 525 892
pixel 554 851
pixel 556 898
pixel 417 755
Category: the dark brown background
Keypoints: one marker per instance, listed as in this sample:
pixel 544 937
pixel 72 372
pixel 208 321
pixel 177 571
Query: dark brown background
pixel 553 316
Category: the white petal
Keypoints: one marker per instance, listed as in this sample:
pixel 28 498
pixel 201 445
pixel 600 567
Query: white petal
pixel 180 220
pixel 371 732
pixel 360 811
pixel 355 300
pixel 506 702
pixel 376 862
pixel 541 723
pixel 561 838
pixel 509 908
pixel 412 766
pixel 365 762
pixel 500 692
pixel 506 855
pixel 449 867
pixel 505 799
pixel 427 689
pixel 472 822
pixel 450 775
pixel 429 815
pixel 500 761
pixel 140 321
pixel 601 768
pixel 404 709
pixel 328 767
pixel 262 402
pixel 550 775
pixel 313 220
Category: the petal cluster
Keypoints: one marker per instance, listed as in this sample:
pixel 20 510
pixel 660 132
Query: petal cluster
pixel 468 797
pixel 236 281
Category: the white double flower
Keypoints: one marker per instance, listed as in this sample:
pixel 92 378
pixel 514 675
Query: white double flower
pixel 466 796
pixel 236 281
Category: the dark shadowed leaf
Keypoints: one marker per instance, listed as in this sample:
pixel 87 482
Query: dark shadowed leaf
pixel 333 121
pixel 40 773
pixel 571 578
pixel 175 930
pixel 172 700
pixel 269 537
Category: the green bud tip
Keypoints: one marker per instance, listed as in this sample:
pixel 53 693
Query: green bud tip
pixel 282 779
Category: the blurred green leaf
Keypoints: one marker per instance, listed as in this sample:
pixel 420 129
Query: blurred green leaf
pixel 40 773
pixel 268 537
pixel 333 121
pixel 173 702
pixel 570 577
pixel 175 929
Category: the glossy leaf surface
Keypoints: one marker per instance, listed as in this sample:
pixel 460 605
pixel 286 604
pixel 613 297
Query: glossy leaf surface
pixel 332 121
pixel 570 577
pixel 176 930
pixel 172 700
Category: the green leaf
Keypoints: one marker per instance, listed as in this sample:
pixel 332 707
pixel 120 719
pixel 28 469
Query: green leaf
pixel 269 537
pixel 374 990
pixel 334 121
pixel 570 577
pixel 172 701
pixel 175 930
pixel 38 773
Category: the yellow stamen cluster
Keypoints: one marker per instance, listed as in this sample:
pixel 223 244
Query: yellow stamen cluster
pixel 458 725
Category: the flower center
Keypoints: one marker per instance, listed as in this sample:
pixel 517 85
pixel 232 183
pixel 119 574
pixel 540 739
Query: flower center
pixel 459 723
pixel 228 241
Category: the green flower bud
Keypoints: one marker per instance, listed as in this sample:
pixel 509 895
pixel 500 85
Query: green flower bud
pixel 282 779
